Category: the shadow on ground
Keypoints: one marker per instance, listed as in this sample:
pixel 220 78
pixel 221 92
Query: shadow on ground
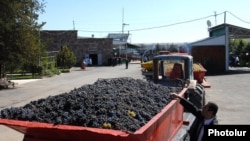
pixel 232 71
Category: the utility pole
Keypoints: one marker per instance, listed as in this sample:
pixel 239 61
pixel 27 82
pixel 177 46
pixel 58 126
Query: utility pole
pixel 225 17
pixel 73 25
pixel 215 18
pixel 123 24
pixel 123 37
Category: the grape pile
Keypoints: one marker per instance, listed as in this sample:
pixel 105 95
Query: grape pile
pixel 198 67
pixel 117 103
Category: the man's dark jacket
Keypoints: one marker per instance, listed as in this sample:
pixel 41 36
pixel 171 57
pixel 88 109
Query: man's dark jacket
pixel 196 126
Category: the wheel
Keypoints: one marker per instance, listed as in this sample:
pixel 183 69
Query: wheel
pixel 197 96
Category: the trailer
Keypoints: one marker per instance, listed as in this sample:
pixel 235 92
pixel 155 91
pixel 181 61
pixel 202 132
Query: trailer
pixel 162 127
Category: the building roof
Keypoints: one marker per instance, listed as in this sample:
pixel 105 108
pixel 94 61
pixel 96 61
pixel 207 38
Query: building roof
pixel 118 36
pixel 234 31
pixel 210 41
pixel 132 46
pixel 217 35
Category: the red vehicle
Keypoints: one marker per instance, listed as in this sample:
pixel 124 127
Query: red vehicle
pixel 163 52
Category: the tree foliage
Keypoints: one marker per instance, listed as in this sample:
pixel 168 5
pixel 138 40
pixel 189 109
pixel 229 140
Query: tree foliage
pixel 19 34
pixel 66 58
pixel 173 48
pixel 240 48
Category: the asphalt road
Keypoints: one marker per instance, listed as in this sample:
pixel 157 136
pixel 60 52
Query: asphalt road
pixel 230 91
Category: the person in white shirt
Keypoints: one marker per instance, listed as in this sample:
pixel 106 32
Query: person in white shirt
pixel 90 61
pixel 87 61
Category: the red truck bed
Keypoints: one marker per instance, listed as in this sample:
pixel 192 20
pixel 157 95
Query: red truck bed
pixel 161 127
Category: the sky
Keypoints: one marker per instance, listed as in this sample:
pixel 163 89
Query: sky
pixel 146 21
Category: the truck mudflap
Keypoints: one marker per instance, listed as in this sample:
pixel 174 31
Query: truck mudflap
pixel 162 127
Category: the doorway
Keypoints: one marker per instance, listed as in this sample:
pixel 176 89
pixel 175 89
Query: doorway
pixel 94 59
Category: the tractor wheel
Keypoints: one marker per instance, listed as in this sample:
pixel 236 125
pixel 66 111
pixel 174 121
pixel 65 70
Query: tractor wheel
pixel 197 96
pixel 187 137
pixel 203 93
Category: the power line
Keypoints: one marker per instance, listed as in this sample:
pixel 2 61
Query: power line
pixel 238 18
pixel 172 24
pixel 163 26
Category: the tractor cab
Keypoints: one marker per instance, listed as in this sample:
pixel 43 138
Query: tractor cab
pixel 176 70
pixel 172 67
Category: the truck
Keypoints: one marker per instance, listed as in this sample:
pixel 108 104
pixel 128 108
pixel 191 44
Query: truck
pixel 198 70
pixel 170 124
pixel 165 69
pixel 172 69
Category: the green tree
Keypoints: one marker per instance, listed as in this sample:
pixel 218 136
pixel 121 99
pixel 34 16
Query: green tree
pixel 19 34
pixel 157 47
pixel 240 47
pixel 173 48
pixel 164 48
pixel 66 58
pixel 247 51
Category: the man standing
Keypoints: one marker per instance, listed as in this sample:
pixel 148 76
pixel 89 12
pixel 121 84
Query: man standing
pixel 206 116
pixel 127 61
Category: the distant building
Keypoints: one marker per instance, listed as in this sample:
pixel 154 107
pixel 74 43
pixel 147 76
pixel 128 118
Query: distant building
pixel 100 50
pixel 213 52
pixel 119 43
